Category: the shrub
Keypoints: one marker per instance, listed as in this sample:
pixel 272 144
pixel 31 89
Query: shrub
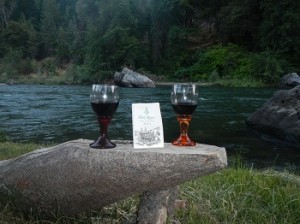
pixel 48 66
pixel 10 63
pixel 82 74
pixel 3 137
pixel 222 61
pixel 267 67
pixel 26 66
pixel 77 74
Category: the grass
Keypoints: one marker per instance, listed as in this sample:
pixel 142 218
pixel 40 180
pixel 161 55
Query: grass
pixel 239 82
pixel 233 195
pixel 37 79
pixel 242 195
pixel 10 150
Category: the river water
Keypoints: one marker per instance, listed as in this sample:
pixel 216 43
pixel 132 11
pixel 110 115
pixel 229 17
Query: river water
pixel 55 114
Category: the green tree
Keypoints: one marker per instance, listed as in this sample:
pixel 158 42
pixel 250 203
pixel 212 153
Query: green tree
pixel 280 28
pixel 267 67
pixel 164 14
pixel 7 8
pixel 113 43
pixel 87 11
pixel 238 23
pixel 50 24
pixel 28 9
pixel 19 36
pixel 115 13
pixel 64 45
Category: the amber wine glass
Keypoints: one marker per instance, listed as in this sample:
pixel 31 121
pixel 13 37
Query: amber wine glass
pixel 184 100
pixel 104 100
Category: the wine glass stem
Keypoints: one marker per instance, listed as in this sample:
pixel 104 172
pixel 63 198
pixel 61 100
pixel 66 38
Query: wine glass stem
pixel 184 122
pixel 104 123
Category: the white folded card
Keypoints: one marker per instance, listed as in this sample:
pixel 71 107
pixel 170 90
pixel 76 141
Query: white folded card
pixel 147 126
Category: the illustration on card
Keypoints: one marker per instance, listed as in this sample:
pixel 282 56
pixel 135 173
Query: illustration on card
pixel 147 135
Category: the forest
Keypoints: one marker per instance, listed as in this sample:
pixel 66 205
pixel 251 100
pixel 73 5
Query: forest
pixel 230 42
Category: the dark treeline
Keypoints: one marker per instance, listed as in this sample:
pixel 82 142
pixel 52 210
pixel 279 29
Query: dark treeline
pixel 253 41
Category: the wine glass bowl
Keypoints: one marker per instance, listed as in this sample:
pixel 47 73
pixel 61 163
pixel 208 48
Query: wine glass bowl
pixel 184 100
pixel 104 101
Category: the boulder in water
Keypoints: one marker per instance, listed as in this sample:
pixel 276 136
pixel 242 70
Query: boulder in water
pixel 279 116
pixel 129 78
pixel 290 80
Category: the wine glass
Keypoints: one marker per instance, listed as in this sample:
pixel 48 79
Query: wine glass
pixel 104 100
pixel 184 100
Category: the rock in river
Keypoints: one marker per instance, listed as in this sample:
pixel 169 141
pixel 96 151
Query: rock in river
pixel 129 78
pixel 279 116
pixel 290 80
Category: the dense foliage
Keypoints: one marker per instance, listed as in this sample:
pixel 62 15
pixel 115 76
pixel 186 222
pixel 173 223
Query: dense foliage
pixel 192 40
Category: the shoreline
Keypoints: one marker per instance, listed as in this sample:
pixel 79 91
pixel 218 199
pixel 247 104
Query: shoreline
pixel 67 83
pixel 173 83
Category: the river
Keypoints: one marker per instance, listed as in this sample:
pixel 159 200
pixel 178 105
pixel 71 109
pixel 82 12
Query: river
pixel 55 114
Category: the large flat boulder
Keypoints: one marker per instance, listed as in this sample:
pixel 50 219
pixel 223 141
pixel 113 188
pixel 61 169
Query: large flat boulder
pixel 279 116
pixel 72 178
pixel 129 78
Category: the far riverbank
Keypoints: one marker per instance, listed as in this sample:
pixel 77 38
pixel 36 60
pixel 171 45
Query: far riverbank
pixel 66 77
pixel 172 83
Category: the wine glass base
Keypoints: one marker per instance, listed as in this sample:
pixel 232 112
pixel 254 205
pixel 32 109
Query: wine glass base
pixel 184 141
pixel 102 143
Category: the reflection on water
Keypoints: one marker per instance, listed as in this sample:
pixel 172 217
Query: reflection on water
pixel 33 113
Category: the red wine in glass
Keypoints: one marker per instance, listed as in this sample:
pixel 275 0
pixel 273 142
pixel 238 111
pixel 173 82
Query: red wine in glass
pixel 105 109
pixel 184 100
pixel 184 108
pixel 104 102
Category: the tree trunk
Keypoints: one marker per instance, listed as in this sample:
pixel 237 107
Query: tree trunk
pixel 157 206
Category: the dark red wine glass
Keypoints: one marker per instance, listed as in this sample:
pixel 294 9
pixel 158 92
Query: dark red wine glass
pixel 184 100
pixel 104 100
